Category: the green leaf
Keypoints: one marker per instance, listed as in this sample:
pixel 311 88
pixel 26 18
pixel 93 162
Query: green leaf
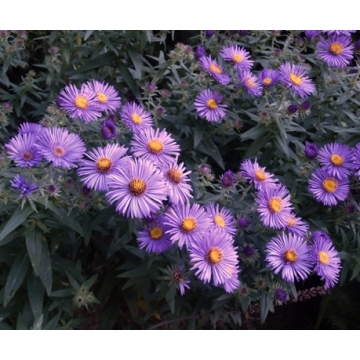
pixel 208 147
pixel 16 276
pixel 198 134
pixel 129 79
pixel 88 34
pixel 45 272
pixel 35 291
pixel 38 322
pixel 17 218
pixel 33 244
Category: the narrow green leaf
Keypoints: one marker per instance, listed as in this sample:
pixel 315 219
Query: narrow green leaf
pixel 33 244
pixel 88 34
pixel 129 79
pixel 198 134
pixel 16 276
pixel 38 322
pixel 45 272
pixel 17 218
pixel 35 290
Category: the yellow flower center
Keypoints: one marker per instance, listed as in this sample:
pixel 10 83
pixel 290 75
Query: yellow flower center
pixel 81 103
pixel 155 146
pixel 58 151
pixel 212 104
pixel 238 58
pixel 323 258
pixel 104 165
pixel 27 156
pixel 137 187
pixel 250 83
pixel 336 160
pixel 156 233
pixel 136 119
pixel 188 225
pixel 260 175
pixel 330 185
pixel 214 256
pixel 102 98
pixel 275 204
pixel 218 219
pixel 174 176
pixel 296 80
pixel 336 48
pixel 291 222
pixel 290 255
pixel 215 69
pixel 267 81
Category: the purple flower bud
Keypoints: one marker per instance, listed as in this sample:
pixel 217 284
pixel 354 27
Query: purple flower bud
pixel 280 294
pixel 249 250
pixel 243 223
pixel 228 179
pixel 305 106
pixel 108 129
pixel 199 53
pixel 350 209
pixel 292 109
pixel 357 45
pixel 209 33
pixel 311 150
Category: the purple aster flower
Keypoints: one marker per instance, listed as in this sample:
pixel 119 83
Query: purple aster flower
pixel 154 238
pixel 293 77
pixel 310 34
pixel 290 255
pixel 336 159
pixel 103 162
pixel 60 147
pixel 319 235
pixel 326 261
pixel 79 103
pixel 256 174
pixel 214 70
pixel 222 219
pixel 233 283
pixel 178 276
pixel 338 32
pixel 31 128
pixel 274 206
pixel 296 225
pixel 269 77
pixel 214 256
pixel 238 56
pixel 26 187
pixel 356 159
pixel 158 147
pixel 176 178
pixel 311 150
pixel 138 189
pixel 199 52
pixel 207 105
pixel 107 97
pixel 336 50
pixel 328 189
pixel 108 129
pixel 228 179
pixel 187 223
pixel 135 117
pixel 243 223
pixel 23 151
pixel 250 83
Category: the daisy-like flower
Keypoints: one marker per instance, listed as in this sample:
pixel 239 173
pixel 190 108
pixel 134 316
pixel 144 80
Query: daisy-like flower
pixel 108 129
pixel 274 206
pixel 103 162
pixel 155 145
pixel 207 105
pixel 154 238
pixel 296 225
pixel 326 261
pixel 319 235
pixel 26 187
pixel 336 159
pixel 187 223
pixel 251 83
pixel 356 159
pixel 107 97
pixel 62 148
pixel 256 174
pixel 79 103
pixel 294 78
pixel 23 151
pixel 214 69
pixel 289 255
pixel 238 56
pixel 222 218
pixel 269 77
pixel 135 117
pixel 214 256
pixel 328 189
pixel 31 128
pixel 336 50
pixel 137 190
pixel 177 178
pixel 338 32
